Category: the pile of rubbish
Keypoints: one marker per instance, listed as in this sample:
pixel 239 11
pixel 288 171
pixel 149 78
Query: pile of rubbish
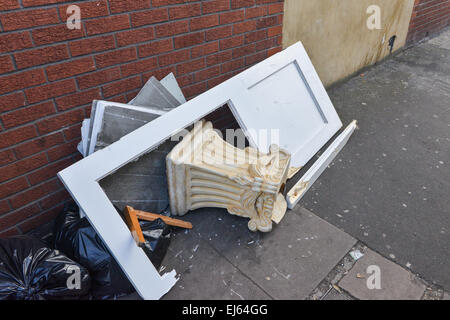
pixel 160 156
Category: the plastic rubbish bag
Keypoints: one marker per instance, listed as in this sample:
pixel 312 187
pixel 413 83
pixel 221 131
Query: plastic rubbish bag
pixel 78 239
pixel 29 270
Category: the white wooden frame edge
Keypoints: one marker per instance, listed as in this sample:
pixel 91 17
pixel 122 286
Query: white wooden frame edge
pixel 304 184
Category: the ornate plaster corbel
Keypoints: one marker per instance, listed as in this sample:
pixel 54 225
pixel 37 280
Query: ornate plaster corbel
pixel 205 171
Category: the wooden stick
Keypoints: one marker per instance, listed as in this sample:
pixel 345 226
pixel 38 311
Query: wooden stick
pixel 147 216
pixel 133 225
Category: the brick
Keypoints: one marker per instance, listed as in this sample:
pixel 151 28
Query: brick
pixel 12 186
pixel 117 6
pixel 98 78
pixel 48 171
pixel 243 51
pixel 155 47
pixel 219 33
pixel 6 64
pixel 88 9
pixel 219 57
pixel 28 19
pixel 207 74
pixel 276 8
pixel 143 65
pixel 78 99
pixel 160 3
pixel 40 56
pixel 204 22
pixel 189 40
pixel 245 26
pixel 173 57
pixel 232 65
pixel 185 11
pixel 73 132
pixel 62 150
pixel 12 101
pixel 255 58
pixel 6 157
pixel 274 31
pixel 9 233
pixel 265 44
pixel 266 22
pixel 242 3
pixel 34 3
pixel 37 145
pixel 160 73
pixel 104 60
pixel 172 28
pixel 255 36
pixel 9 4
pixel 12 137
pixel 126 38
pixel 108 24
pixel 54 199
pixel 149 17
pixel 233 16
pixel 60 120
pixel 231 42
pixel 54 34
pixel 205 49
pixel 11 219
pixel 273 51
pixel 121 86
pixel 28 114
pixel 215 6
pixel 4 207
pixel 70 68
pixel 91 45
pixel 15 41
pixel 194 90
pixel 22 166
pixel 50 90
pixel 40 219
pixel 191 66
pixel 34 193
pixel 255 12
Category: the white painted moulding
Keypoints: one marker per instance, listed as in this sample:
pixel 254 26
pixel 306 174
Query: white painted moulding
pixel 303 185
pixel 286 81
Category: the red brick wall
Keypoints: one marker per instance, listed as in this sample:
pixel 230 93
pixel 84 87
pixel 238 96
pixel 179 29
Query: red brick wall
pixel 428 17
pixel 50 74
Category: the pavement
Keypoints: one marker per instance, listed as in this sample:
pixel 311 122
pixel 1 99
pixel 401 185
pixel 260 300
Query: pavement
pixel 389 188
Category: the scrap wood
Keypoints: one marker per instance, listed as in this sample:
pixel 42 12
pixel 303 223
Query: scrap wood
pixel 147 216
pixel 133 225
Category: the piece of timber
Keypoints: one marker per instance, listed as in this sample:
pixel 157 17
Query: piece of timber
pixel 301 187
pixel 133 225
pixel 148 216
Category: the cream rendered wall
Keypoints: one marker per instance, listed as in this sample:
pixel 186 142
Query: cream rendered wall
pixel 336 36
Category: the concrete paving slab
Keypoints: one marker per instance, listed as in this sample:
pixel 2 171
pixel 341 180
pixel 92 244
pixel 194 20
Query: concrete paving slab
pixel 154 94
pixel 205 274
pixel 396 282
pixel 287 263
pixel 389 186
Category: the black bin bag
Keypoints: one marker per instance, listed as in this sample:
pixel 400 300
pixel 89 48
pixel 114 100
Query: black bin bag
pixel 78 239
pixel 29 270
